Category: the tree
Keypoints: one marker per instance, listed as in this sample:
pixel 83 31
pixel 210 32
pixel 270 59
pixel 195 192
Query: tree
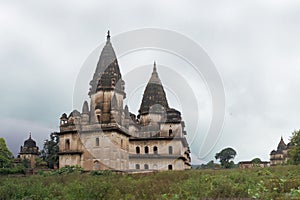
pixel 256 161
pixel 50 150
pixel 225 156
pixel 5 155
pixel 209 165
pixel 294 152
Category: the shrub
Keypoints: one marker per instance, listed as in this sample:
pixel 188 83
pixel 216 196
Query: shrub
pixel 101 173
pixel 19 169
pixel 69 169
pixel 280 182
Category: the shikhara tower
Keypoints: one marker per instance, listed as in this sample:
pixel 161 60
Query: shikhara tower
pixel 105 135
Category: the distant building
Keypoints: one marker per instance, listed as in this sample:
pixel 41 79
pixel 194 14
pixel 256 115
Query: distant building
pixel 105 135
pixel 251 164
pixel 280 156
pixel 29 151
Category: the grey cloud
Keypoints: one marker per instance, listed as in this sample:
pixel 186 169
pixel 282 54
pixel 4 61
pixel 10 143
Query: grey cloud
pixel 254 45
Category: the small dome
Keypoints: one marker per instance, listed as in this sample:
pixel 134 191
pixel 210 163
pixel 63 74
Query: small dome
pixel 273 152
pixel 29 142
pixel 64 116
pixel 29 147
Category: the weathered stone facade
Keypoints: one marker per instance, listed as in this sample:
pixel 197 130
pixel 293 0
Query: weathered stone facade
pixel 105 135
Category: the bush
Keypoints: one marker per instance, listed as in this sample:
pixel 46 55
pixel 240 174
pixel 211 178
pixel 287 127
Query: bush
pixel 280 182
pixel 69 169
pixel 101 173
pixel 15 170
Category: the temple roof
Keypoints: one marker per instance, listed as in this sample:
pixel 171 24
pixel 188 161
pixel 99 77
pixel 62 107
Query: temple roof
pixel 154 77
pixel 281 146
pixel 29 142
pixel 107 74
pixel 273 152
pixel 29 147
pixel 154 94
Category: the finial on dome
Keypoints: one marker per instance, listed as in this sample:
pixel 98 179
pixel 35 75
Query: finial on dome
pixel 154 77
pixel 29 135
pixel 108 35
pixel 154 67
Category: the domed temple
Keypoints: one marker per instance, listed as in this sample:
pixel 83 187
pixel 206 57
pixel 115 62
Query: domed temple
pixel 29 151
pixel 105 135
pixel 280 156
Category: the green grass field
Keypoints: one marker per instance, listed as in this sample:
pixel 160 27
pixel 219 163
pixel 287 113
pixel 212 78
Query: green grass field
pixel 282 182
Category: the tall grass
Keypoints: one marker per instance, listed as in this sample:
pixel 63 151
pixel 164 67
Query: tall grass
pixel 281 182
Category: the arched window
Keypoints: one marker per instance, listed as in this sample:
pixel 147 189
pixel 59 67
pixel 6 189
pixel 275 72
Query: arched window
pixel 155 150
pixel 62 122
pixel 155 166
pixel 170 133
pixel 146 149
pixel 96 165
pixel 170 167
pixel 170 150
pixel 97 142
pixel 137 150
pixel 121 143
pixel 146 166
pixel 67 144
pixel 98 114
pixel 137 166
pixel 113 82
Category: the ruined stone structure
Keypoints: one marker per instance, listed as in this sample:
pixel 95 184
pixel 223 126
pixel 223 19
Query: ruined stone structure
pixel 29 151
pixel 105 135
pixel 280 156
pixel 250 164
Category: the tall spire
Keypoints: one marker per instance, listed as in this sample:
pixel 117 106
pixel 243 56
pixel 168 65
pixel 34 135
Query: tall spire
pixel 107 75
pixel 281 145
pixel 154 77
pixel 154 93
pixel 108 36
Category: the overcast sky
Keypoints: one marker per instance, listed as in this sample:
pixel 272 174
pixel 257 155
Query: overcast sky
pixel 254 45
